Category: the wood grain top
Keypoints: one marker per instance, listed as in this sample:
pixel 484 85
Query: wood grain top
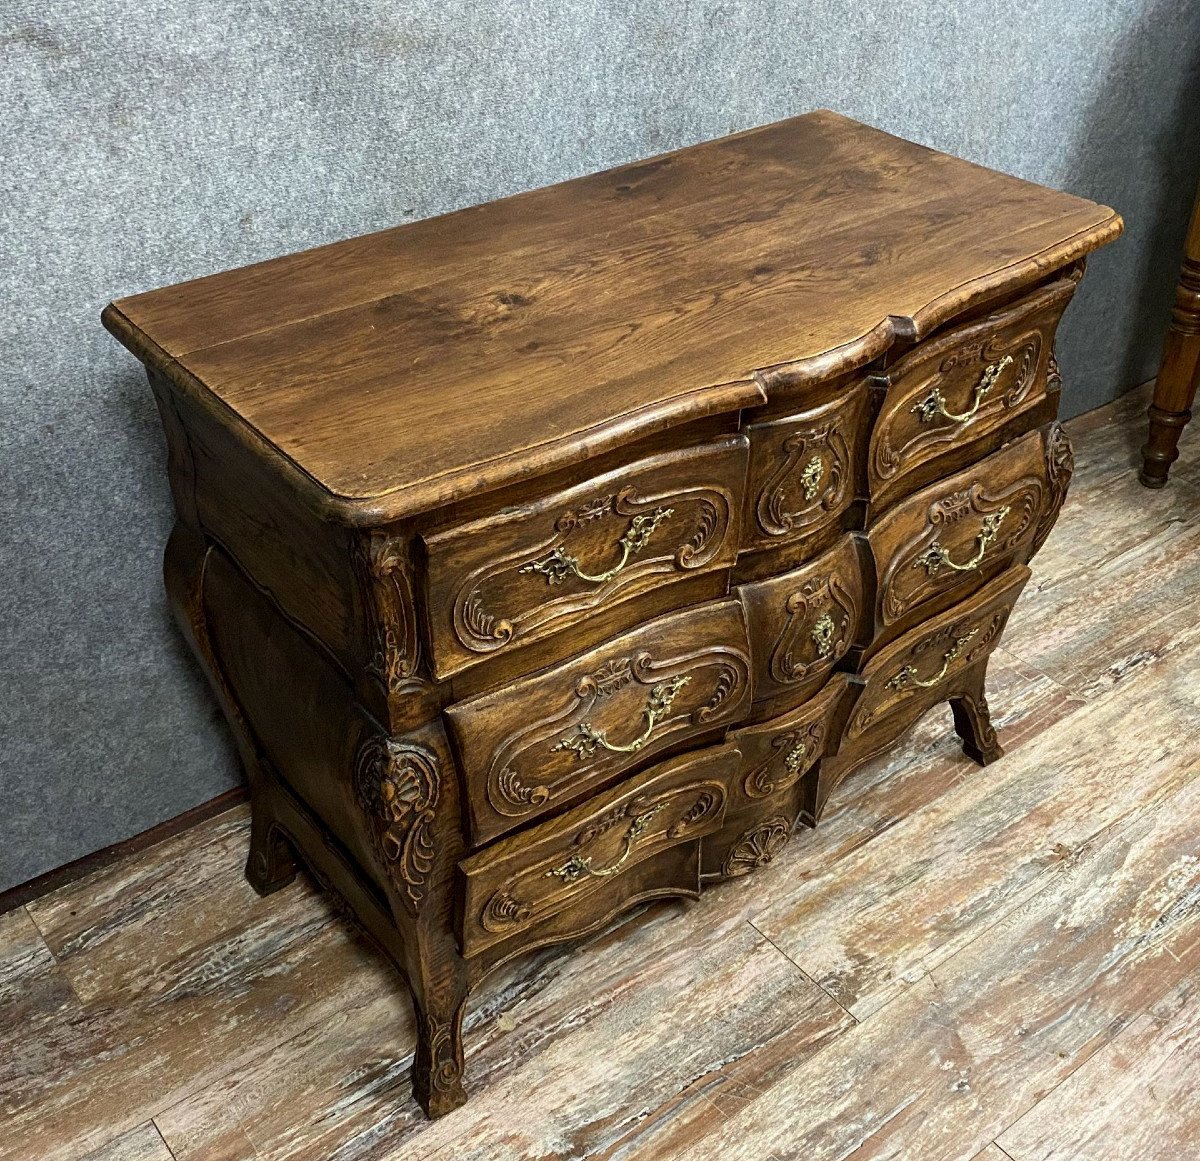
pixel 413 367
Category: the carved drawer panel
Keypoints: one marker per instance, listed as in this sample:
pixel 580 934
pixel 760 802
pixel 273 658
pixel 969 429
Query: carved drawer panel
pixel 801 625
pixel 963 385
pixel 777 754
pixel 804 471
pixel 923 666
pixel 527 571
pixel 570 874
pixel 547 740
pixel 944 541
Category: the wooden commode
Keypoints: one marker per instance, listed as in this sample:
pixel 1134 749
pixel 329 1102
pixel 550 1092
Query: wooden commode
pixel 562 553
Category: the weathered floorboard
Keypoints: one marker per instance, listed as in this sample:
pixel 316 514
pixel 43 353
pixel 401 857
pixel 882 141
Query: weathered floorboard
pixel 961 1053
pixel 1135 1098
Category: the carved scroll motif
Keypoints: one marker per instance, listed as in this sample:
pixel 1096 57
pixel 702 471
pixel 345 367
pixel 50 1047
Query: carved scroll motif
pixel 793 754
pixel 442 1045
pixel 981 636
pixel 619 838
pixel 1060 466
pixel 899 439
pixel 593 725
pixel 908 581
pixel 398 786
pixel 391 614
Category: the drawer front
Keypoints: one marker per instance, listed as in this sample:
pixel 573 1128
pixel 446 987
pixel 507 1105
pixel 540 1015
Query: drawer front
pixel 950 537
pixel 963 386
pixel 804 471
pixel 775 781
pixel 922 667
pixel 777 754
pixel 802 623
pixel 547 740
pixel 525 572
pixel 571 873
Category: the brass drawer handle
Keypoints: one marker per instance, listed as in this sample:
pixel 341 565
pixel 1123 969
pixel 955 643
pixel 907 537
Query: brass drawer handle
pixel 936 555
pixel 560 564
pixel 934 404
pixel 579 865
pixel 587 739
pixel 908 675
pixel 823 633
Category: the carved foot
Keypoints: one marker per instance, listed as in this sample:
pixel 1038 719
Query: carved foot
pixel 973 723
pixel 270 866
pixel 438 1065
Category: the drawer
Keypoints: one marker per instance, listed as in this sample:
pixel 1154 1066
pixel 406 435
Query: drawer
pixel 570 874
pixel 774 785
pixel 776 754
pixel 948 539
pixel 801 625
pixel 804 471
pixel 547 740
pixel 523 573
pixel 923 667
pixel 963 386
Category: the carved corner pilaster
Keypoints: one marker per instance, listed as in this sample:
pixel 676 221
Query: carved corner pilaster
pixel 395 655
pixel 398 786
pixel 1060 466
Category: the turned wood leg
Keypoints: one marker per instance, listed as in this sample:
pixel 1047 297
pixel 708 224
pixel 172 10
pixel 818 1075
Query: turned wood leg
pixel 1179 374
pixel 972 719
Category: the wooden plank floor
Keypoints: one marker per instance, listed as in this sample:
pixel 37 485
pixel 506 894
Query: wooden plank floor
pixel 959 963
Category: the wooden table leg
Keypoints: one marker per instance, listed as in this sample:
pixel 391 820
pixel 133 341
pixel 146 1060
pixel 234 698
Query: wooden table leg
pixel 1175 389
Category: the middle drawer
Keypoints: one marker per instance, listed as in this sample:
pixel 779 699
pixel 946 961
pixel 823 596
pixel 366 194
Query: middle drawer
pixel 548 740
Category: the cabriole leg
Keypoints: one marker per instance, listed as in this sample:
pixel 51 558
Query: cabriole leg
pixel 270 865
pixel 972 719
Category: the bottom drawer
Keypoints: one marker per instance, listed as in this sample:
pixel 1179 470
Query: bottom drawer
pixel 930 664
pixel 776 781
pixel 564 877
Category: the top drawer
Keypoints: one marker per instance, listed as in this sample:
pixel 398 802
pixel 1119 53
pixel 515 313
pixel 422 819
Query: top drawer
pixel 526 572
pixel 804 471
pixel 962 386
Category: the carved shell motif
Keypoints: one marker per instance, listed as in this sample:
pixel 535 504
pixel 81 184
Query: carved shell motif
pixel 757 847
pixel 397 784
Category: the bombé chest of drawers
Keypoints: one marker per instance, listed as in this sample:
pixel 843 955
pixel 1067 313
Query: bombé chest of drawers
pixel 564 553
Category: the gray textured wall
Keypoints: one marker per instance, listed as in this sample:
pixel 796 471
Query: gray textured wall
pixel 144 143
